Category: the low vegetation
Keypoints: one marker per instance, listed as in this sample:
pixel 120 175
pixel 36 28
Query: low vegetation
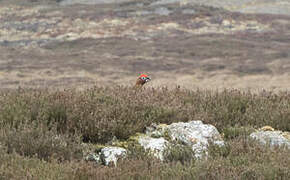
pixel 43 132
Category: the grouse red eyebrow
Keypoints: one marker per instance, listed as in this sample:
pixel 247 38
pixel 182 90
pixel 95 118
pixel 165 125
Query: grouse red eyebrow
pixel 143 75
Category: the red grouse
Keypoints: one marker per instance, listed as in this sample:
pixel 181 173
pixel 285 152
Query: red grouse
pixel 142 79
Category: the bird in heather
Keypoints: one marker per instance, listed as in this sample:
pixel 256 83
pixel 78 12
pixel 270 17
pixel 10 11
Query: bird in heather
pixel 142 79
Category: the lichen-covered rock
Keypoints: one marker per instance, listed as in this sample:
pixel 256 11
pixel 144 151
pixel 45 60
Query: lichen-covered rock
pixel 266 128
pixel 155 145
pixel 195 134
pixel 156 131
pixel 107 155
pixel 158 140
pixel 273 138
pixel 112 154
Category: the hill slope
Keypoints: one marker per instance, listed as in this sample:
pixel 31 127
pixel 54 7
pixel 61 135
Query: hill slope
pixel 49 44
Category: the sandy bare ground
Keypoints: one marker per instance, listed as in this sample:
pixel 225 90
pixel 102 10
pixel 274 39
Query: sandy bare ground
pixel 44 44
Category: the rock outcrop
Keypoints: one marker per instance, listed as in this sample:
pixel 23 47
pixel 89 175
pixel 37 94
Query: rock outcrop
pixel 194 134
pixel 159 138
pixel 267 135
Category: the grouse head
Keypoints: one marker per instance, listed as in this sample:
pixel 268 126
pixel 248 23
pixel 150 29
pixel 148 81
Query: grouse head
pixel 142 79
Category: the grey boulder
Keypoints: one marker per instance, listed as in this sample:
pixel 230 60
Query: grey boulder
pixel 156 146
pixel 107 155
pixel 273 138
pixel 195 134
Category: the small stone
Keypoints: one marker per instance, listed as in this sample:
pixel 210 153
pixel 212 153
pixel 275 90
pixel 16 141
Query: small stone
pixel 112 155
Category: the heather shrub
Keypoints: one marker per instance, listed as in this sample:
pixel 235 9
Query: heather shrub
pixel 14 166
pixel 235 132
pixel 42 132
pixel 45 145
pixel 244 159
pixel 179 153
pixel 98 114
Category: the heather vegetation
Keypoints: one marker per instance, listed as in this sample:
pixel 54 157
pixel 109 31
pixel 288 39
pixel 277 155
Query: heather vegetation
pixel 45 134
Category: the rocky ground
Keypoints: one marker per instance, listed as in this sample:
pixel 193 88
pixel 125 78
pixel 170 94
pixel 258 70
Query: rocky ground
pixel 194 135
pixel 195 44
